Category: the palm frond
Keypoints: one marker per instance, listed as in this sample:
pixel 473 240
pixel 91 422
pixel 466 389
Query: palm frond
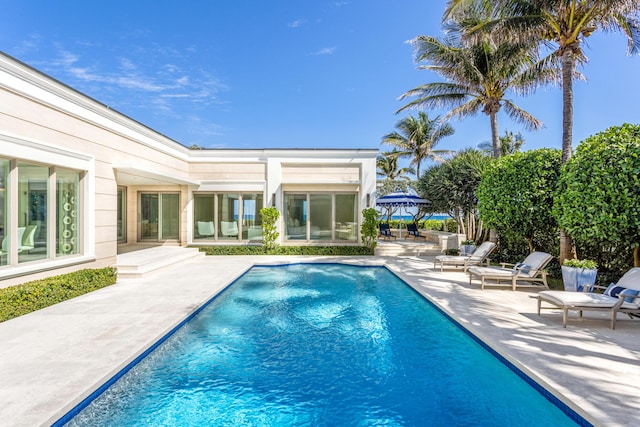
pixel 522 116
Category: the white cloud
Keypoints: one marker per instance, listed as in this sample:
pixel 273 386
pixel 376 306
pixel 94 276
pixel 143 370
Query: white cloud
pixel 297 23
pixel 135 82
pixel 325 51
pixel 127 64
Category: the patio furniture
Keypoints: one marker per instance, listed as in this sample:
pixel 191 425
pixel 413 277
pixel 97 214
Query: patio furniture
pixel 205 228
pixel 28 239
pixel 4 247
pixel 229 228
pixel 478 257
pixel 412 230
pixel 530 271
pixel 385 231
pixel 620 297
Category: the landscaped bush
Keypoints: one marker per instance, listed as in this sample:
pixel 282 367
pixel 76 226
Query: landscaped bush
pixel 27 297
pixel 433 224
pixel 598 198
pixel 450 225
pixel 288 250
pixel 515 195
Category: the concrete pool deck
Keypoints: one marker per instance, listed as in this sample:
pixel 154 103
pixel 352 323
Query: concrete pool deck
pixel 53 358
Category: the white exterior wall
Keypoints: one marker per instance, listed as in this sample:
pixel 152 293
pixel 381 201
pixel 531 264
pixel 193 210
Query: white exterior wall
pixel 43 121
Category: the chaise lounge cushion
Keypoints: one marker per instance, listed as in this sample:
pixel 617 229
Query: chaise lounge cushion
pixel 613 290
pixel 627 287
pixel 582 299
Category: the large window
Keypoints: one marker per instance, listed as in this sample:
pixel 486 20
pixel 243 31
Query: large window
pixel 251 219
pixel 203 216
pixel 33 211
pixel 67 212
pixel 320 215
pixel 227 216
pixel 331 216
pixel 122 215
pixel 295 216
pixel 159 216
pixel 346 217
pixel 4 211
pixel 40 212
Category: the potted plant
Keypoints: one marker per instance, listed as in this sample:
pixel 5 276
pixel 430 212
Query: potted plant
pixel 467 247
pixel 579 274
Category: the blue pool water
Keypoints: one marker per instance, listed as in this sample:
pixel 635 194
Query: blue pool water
pixel 320 345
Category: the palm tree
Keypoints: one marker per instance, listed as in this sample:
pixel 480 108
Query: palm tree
pixel 509 144
pixel 416 138
pixel 388 168
pixel 478 74
pixel 562 25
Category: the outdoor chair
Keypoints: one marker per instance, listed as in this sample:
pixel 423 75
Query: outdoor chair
pixel 478 257
pixel 229 228
pixel 620 297
pixel 412 230
pixel 385 231
pixel 205 228
pixel 530 272
pixel 4 247
pixel 28 239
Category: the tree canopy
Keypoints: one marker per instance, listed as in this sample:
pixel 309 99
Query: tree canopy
pixel 479 73
pixel 515 194
pixel 417 138
pixel 451 188
pixel 599 192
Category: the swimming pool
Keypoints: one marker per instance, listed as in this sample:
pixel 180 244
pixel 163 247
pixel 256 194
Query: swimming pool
pixel 320 344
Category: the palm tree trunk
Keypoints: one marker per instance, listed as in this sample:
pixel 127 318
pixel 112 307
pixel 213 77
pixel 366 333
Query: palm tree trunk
pixel 568 67
pixel 636 256
pixel 495 140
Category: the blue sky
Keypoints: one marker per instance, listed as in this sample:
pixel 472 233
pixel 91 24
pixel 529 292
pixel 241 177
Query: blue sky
pixel 283 73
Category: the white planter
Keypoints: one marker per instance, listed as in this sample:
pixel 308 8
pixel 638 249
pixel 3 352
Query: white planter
pixel 576 279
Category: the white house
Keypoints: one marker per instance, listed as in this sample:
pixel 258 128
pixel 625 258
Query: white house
pixel 78 180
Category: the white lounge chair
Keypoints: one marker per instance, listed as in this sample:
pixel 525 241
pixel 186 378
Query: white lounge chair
pixel 478 257
pixel 530 271
pixel 626 301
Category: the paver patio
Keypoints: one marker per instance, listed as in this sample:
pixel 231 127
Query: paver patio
pixel 51 359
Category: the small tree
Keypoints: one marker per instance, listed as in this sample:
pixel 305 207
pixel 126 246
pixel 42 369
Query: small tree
pixel 369 229
pixel 270 234
pixel 598 200
pixel 451 187
pixel 515 195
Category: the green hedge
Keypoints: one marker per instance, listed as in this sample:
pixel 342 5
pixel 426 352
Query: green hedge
pixel 31 296
pixel 287 250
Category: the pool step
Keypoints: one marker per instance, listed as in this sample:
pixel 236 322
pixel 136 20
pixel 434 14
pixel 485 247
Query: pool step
pixel 407 248
pixel 135 264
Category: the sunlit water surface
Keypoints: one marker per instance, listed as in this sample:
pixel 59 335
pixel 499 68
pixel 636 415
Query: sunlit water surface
pixel 320 345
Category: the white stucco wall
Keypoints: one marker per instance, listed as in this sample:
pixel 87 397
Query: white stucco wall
pixel 44 121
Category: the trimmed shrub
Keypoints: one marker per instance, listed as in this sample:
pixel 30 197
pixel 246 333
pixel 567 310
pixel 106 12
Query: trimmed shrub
pixel 515 195
pixel 269 230
pixel 598 199
pixel 31 296
pixel 288 250
pixel 369 229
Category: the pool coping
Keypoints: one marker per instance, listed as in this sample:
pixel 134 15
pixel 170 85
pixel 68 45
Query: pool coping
pixel 39 389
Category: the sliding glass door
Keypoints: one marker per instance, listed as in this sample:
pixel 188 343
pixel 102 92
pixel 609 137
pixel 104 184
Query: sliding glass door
pixel 159 216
